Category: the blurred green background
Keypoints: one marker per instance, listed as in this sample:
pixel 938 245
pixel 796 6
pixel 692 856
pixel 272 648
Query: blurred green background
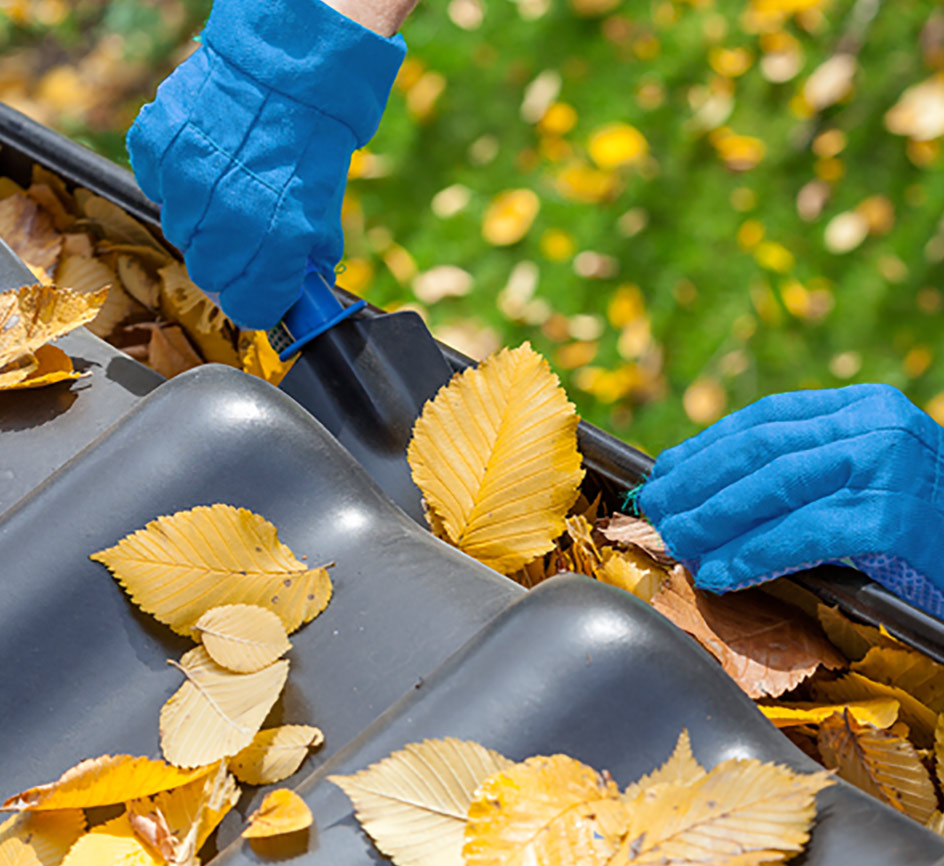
pixel 683 205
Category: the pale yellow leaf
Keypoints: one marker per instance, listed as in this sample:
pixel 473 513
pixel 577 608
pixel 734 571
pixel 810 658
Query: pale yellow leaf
pixel 495 454
pixel 180 566
pixel 89 275
pixel 415 802
pixel 855 687
pixel 275 754
pixel 177 823
pixel 216 713
pixel 583 553
pixel 138 281
pixel 16 372
pixel 631 570
pixel 113 843
pixel 52 365
pixel 548 810
pixel 242 637
pixel 906 669
pixel 680 768
pixel 34 315
pixel 939 749
pixel 936 823
pixel 258 358
pixel 742 809
pixel 878 762
pixel 282 811
pixel 39 838
pixel 881 712
pixel 853 638
pixel 117 225
pixel 103 781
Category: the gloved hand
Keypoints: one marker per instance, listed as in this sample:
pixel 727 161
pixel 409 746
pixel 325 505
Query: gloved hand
pixel 852 475
pixel 247 146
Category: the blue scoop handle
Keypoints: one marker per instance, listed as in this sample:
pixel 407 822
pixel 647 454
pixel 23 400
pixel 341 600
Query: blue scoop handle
pixel 316 310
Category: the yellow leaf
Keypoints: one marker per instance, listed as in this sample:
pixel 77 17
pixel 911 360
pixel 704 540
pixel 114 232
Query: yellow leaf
pixel 741 809
pixel 548 810
pixel 853 638
pixel 28 231
pixel 243 638
pixel 880 712
pixel 631 570
pixel 216 713
pixel 258 358
pixel 113 843
pixel 52 365
pixel 495 454
pixel 880 763
pixel 32 316
pixel 282 811
pixel 936 823
pixel 616 144
pixel 177 823
pixel 181 566
pixel 87 275
pixel 205 323
pixel 510 216
pixel 415 802
pixel 275 754
pixel 17 371
pixel 169 350
pixel 939 749
pixel 583 553
pixel 681 768
pixel 103 781
pixel 138 281
pixel 855 687
pixel 39 839
pixel 906 669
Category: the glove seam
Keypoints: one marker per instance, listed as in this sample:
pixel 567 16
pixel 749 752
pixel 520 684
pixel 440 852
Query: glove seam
pixel 288 96
pixel 183 126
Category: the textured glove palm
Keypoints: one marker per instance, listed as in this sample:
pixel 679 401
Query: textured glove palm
pixel 247 146
pixel 851 475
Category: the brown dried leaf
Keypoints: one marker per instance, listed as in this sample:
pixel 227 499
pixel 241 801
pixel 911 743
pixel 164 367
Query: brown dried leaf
pixel 44 196
pixel 139 282
pixel 28 230
pixel 117 225
pixel 939 749
pixel 170 352
pixel 765 647
pixel 880 763
pixel 633 532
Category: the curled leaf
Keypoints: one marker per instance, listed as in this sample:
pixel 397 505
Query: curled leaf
pixel 216 713
pixel 282 811
pixel 181 566
pixel 495 454
pixel 52 365
pixel 275 754
pixel 242 637
pixel 880 763
pixel 415 802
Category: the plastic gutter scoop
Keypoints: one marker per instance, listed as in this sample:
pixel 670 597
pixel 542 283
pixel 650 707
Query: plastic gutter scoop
pixel 316 310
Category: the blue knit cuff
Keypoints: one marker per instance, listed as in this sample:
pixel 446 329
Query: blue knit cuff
pixel 306 50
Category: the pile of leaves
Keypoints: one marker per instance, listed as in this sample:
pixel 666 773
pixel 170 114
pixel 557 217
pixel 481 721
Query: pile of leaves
pixel 455 802
pixel 153 311
pixel 219 575
pixel 495 455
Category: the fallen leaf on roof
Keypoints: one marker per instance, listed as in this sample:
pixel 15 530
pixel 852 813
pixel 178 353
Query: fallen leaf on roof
pixel 414 803
pixel 116 224
pixel 52 365
pixel 631 570
pixel 906 669
pixel 766 647
pixel 680 768
pixel 103 781
pixel 853 638
pixel 495 455
pixel 282 811
pixel 114 843
pixel 258 358
pixel 40 838
pixel 29 231
pixel 243 638
pixel 275 754
pixel 880 712
pixel 216 712
pixel 182 565
pixel 169 351
pixel 880 763
pixel 630 531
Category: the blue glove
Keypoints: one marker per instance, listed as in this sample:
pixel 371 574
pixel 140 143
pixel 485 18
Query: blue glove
pixel 248 143
pixel 852 476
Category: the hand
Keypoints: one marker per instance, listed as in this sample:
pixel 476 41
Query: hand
pixel 806 477
pixel 247 147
